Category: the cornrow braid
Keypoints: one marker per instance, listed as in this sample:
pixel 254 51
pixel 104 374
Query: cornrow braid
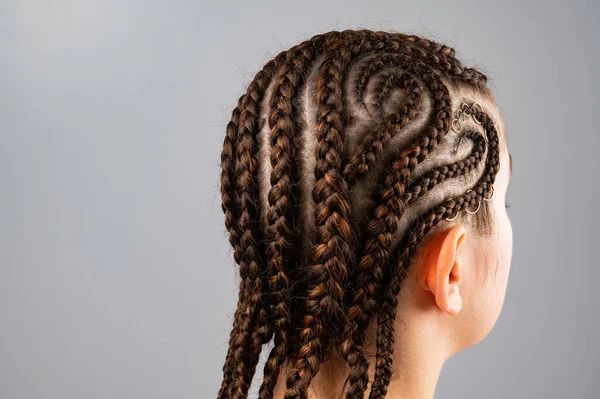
pixel 389 301
pixel 401 80
pixel 229 209
pixel 315 191
pixel 282 197
pixel 332 252
pixel 374 142
pixel 442 58
pixel 376 250
pixel 250 252
pixel 439 174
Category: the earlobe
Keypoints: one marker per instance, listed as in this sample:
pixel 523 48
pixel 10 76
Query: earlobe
pixel 444 269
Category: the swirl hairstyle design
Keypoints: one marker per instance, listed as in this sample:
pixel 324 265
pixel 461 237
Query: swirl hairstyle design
pixel 337 162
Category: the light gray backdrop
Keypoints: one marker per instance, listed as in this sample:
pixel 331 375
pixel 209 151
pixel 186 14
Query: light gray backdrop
pixel 116 278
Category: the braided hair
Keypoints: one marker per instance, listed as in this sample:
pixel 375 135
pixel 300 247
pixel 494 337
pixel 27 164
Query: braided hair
pixel 333 172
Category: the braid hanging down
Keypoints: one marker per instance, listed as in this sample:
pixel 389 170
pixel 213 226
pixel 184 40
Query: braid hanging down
pixel 334 165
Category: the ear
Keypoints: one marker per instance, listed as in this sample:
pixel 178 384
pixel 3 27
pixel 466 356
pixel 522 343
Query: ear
pixel 443 269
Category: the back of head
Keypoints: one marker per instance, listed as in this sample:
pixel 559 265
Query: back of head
pixel 343 154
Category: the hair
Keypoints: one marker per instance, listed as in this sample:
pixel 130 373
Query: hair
pixel 338 160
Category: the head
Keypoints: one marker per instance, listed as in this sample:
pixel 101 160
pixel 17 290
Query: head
pixel 361 196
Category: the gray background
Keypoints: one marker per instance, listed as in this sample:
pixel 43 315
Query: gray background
pixel 116 279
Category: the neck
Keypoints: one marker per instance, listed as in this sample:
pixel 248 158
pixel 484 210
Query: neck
pixel 419 355
pixel 418 362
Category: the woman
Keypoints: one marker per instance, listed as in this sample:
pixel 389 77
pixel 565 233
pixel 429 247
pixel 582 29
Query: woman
pixel 363 183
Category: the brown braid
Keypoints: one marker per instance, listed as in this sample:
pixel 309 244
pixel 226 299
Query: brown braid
pixel 374 142
pixel 250 253
pixel 320 300
pixel 387 315
pixel 332 252
pixel 228 207
pixel 376 251
pixel 281 212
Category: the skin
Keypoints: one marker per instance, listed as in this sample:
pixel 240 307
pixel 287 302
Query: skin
pixel 450 300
